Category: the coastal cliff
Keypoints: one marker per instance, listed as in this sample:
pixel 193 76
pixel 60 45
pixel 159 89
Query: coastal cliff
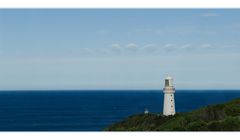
pixel 220 117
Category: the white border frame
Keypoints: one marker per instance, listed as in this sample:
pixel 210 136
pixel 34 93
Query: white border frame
pixel 119 4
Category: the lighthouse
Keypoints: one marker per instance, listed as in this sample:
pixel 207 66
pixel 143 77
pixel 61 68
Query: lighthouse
pixel 169 103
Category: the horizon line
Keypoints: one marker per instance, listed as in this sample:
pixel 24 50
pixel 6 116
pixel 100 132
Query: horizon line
pixel 111 89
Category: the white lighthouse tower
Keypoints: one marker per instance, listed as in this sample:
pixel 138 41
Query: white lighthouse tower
pixel 169 104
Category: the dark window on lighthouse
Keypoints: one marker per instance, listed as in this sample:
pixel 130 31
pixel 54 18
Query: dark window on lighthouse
pixel 166 83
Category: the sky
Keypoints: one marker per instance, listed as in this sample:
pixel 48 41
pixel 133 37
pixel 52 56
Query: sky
pixel 84 49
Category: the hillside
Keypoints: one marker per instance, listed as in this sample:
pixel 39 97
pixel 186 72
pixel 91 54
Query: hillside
pixel 220 117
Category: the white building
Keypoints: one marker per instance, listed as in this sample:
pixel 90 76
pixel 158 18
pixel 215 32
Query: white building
pixel 169 103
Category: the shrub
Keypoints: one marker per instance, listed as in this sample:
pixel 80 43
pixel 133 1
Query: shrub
pixel 228 124
pixel 232 110
pixel 197 126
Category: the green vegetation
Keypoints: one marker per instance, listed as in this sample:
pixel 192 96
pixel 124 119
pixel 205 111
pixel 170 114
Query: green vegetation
pixel 220 117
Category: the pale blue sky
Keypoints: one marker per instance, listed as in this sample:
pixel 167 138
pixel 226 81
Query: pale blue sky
pixel 119 48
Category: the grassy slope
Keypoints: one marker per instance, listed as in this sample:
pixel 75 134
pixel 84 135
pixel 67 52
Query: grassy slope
pixel 220 117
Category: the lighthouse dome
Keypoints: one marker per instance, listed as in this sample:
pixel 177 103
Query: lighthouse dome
pixel 169 78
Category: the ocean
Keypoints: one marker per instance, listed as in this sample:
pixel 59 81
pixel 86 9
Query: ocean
pixel 92 110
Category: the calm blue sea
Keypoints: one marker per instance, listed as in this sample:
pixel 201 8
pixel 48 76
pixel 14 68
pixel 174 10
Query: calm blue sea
pixel 91 110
